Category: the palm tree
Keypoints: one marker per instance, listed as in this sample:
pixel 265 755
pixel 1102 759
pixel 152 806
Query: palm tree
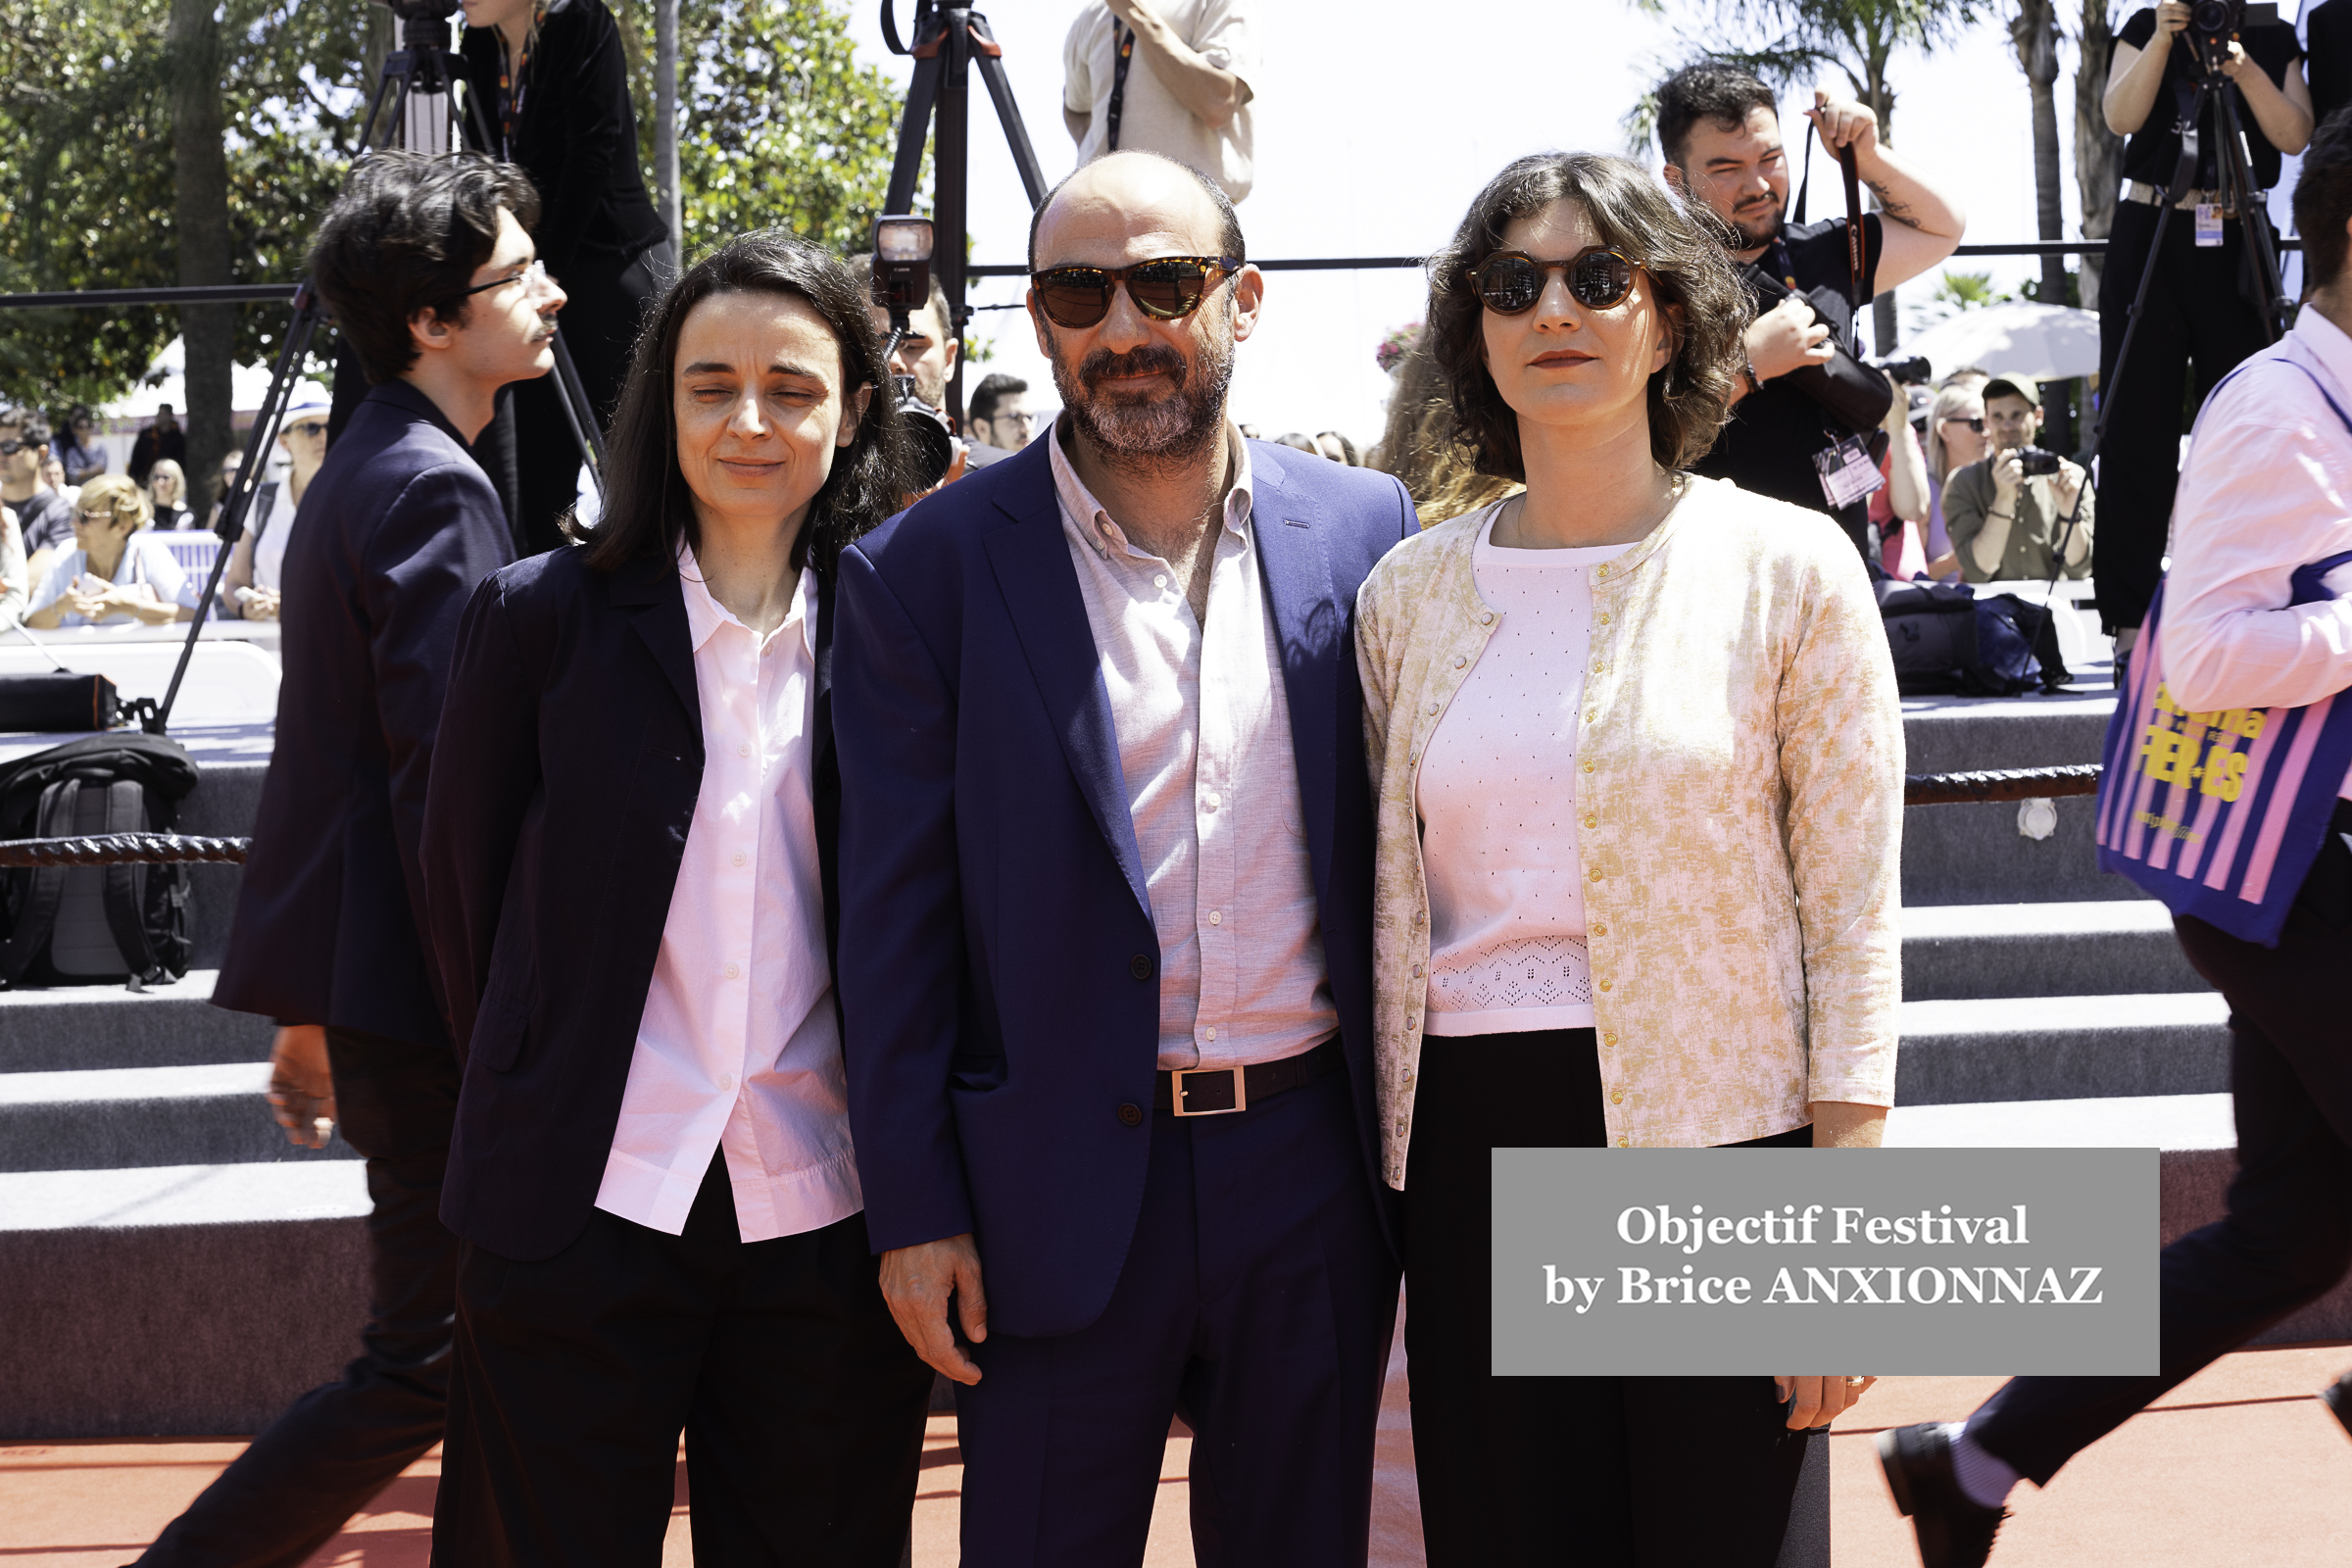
pixel 2098 151
pixel 2035 31
pixel 200 228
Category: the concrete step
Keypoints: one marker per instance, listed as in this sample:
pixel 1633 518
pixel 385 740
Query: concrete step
pixel 2198 1136
pixel 66 1028
pixel 129 1117
pixel 176 1299
pixel 2062 1047
pixel 1954 952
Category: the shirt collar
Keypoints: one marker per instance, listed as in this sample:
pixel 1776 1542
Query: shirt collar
pixel 705 615
pixel 2327 344
pixel 1079 504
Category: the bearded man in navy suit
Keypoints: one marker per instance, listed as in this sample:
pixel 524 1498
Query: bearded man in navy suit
pixel 1106 849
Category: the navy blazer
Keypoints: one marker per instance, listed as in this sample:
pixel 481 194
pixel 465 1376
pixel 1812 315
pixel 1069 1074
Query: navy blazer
pixel 1000 967
pixel 396 528
pixel 571 760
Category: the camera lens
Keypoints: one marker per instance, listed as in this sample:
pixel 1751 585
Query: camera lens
pixel 929 447
pixel 2033 460
pixel 2211 16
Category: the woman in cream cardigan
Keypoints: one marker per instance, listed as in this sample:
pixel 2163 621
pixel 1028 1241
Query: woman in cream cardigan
pixel 1636 751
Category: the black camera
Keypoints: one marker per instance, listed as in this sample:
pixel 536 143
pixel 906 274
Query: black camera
pixel 930 445
pixel 1910 369
pixel 2215 20
pixel 420 9
pixel 2033 460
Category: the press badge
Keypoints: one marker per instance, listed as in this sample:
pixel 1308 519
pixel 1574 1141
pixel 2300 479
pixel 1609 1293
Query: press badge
pixel 2209 222
pixel 1848 474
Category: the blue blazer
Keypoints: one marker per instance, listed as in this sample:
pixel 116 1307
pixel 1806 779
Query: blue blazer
pixel 998 964
pixel 571 760
pixel 396 529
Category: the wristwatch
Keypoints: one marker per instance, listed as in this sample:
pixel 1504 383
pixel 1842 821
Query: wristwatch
pixel 1748 369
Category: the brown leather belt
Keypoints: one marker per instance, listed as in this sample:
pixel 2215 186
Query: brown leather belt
pixel 2150 195
pixel 1218 1091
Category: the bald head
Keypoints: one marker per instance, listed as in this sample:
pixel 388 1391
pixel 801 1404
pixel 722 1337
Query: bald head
pixel 1131 206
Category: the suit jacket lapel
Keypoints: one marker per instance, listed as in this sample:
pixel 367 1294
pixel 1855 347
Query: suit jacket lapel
pixel 1310 627
pixel 1032 562
pixel 651 584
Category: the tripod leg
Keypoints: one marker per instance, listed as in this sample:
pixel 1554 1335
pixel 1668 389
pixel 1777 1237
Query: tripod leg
pixel 914 129
pixel 990 61
pixel 573 396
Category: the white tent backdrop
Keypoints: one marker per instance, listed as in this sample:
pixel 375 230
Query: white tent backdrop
pixel 2034 342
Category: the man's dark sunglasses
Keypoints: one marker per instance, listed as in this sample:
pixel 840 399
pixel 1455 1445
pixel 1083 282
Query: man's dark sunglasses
pixel 1166 289
pixel 1510 282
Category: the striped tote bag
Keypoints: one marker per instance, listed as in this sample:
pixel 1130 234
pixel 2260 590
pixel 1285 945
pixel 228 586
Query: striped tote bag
pixel 2221 815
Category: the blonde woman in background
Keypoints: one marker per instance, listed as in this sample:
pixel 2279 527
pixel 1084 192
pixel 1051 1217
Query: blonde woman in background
pixel 1419 446
pixel 1955 439
pixel 168 493
pixel 119 573
pixel 1638 761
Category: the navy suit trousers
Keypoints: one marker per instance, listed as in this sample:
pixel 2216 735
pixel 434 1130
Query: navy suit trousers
pixel 1257 1302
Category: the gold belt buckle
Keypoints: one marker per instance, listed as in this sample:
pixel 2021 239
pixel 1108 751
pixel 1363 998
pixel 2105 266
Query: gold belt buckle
pixel 1241 1090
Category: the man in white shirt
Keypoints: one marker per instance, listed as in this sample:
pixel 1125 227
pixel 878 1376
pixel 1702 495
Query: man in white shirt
pixel 2267 492
pixel 1166 76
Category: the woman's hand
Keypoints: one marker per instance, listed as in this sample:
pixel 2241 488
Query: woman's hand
pixel 302 1085
pixel 258 604
pixel 1818 1402
pixel 1788 337
pixel 2172 20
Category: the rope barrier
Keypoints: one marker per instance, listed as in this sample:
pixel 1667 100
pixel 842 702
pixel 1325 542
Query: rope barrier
pixel 120 849
pixel 2001 784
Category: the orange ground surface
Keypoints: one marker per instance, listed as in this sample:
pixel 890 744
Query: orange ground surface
pixel 2239 1466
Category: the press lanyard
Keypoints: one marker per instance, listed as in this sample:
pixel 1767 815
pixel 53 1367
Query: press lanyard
pixel 1124 38
pixel 509 94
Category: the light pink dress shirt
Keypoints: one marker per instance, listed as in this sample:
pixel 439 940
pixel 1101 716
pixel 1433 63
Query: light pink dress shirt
pixel 739 1047
pixel 1212 785
pixel 2267 489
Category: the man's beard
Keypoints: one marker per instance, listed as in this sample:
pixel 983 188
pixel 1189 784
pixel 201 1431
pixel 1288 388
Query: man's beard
pixel 1758 225
pixel 1184 422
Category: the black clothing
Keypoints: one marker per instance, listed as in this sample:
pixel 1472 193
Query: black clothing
pixel 2328 64
pixel 172 518
pixel 1767 447
pixel 2199 311
pixel 330 922
pixel 43 519
pixel 2287 1237
pixel 575 136
pixel 570 757
pixel 341 1443
pixel 2155 148
pixel 801 1404
pixel 153 446
pixel 1647 1471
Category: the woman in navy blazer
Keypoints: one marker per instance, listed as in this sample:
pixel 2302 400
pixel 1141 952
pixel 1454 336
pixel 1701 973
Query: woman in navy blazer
pixel 629 860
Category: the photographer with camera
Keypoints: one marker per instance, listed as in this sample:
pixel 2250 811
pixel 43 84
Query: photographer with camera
pixel 919 370
pixel 1719 131
pixel 2202 304
pixel 2011 512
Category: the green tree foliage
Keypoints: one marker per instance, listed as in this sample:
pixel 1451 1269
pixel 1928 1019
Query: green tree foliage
pixel 783 127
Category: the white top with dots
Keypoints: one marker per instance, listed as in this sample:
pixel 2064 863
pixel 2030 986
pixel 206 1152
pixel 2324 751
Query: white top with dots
pixel 1497 811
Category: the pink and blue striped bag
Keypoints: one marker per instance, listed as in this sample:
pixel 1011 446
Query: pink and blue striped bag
pixel 2221 815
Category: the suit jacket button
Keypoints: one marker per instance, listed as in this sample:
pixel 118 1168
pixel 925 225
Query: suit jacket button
pixel 1131 1114
pixel 1138 966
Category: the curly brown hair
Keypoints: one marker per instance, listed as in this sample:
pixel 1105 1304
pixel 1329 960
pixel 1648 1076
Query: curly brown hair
pixel 1683 247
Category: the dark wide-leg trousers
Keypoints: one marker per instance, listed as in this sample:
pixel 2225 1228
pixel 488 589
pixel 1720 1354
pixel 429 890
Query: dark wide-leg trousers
pixel 1696 1471
pixel 2200 311
pixel 341 1443
pixel 801 1404
pixel 1257 1301
pixel 2286 1240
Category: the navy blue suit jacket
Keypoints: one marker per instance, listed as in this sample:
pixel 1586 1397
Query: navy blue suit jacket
pixel 395 531
pixel 570 763
pixel 998 964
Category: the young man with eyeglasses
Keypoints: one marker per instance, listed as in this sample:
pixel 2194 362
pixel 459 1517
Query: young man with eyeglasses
pixel 1107 851
pixel 44 523
pixel 1000 420
pixel 426 266
pixel 1719 130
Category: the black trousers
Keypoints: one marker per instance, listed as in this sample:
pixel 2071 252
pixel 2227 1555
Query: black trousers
pixel 2287 1237
pixel 341 1443
pixel 603 307
pixel 1656 1472
pixel 2200 311
pixel 802 1405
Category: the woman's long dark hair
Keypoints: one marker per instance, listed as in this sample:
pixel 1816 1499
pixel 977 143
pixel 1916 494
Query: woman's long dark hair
pixel 648 508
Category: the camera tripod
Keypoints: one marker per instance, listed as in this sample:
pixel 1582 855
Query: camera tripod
pixel 949 41
pixel 423 118
pixel 2234 165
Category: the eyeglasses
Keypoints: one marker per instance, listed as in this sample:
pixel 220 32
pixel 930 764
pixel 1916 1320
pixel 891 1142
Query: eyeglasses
pixel 1168 288
pixel 1024 420
pixel 10 446
pixel 95 518
pixel 313 429
pixel 1510 282
pixel 1977 425
pixel 533 277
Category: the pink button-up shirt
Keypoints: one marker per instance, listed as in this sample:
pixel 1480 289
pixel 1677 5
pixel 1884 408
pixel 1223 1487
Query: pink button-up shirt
pixel 2267 489
pixel 1212 784
pixel 739 1048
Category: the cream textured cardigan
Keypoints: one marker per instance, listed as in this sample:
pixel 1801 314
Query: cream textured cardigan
pixel 1739 798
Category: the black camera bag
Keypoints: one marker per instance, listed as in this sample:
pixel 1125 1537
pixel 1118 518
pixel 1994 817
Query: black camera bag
pixel 55 702
pixel 83 925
